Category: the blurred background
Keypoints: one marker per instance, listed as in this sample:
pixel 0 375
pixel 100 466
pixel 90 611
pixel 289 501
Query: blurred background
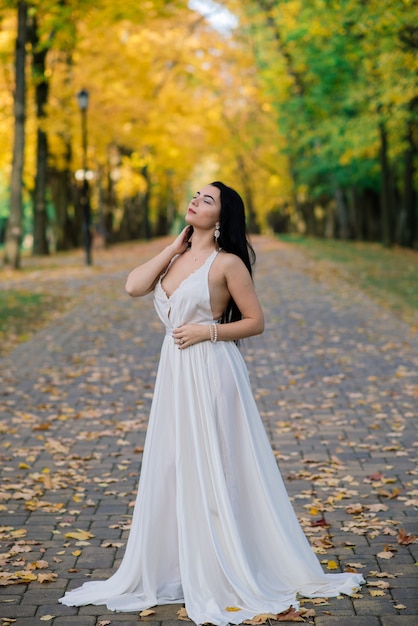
pixel 113 114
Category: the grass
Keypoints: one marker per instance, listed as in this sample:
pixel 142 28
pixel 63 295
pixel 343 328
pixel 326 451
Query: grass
pixel 389 275
pixel 21 313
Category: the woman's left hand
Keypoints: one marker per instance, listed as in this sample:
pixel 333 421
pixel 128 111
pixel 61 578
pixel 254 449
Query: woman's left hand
pixel 189 334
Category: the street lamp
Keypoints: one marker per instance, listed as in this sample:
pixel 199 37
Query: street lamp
pixel 83 102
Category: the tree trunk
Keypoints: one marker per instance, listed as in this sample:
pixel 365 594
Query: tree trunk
pixel 252 223
pixel 408 234
pixel 40 218
pixel 14 225
pixel 110 205
pixel 342 214
pixel 387 209
pixel 146 204
pixel 61 192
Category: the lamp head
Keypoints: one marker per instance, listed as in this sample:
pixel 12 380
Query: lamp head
pixel 83 99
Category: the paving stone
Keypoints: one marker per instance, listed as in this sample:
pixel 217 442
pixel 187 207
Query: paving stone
pixel 399 620
pixel 13 610
pixel 331 620
pixel 333 376
pixel 74 620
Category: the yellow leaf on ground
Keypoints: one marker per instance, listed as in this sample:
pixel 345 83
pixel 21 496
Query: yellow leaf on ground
pixel 81 535
pixel 76 552
pixel 146 613
pixel 263 618
pixel 232 608
pixel 182 615
pixel 46 618
pixel 332 565
pixel 46 577
pixel 376 592
pixel 319 601
pixel 381 584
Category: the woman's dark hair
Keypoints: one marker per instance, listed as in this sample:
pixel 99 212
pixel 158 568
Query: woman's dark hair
pixel 233 238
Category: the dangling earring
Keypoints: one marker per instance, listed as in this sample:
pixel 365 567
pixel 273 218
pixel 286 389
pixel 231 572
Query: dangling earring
pixel 217 231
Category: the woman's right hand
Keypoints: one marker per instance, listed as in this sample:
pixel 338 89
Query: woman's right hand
pixel 180 244
pixel 143 278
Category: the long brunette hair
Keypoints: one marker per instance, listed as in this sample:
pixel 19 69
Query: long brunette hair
pixel 233 238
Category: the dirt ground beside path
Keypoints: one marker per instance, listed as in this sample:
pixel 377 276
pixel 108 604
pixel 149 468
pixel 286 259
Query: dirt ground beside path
pixel 335 378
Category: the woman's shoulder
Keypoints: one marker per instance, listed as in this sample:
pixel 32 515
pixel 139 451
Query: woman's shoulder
pixel 229 261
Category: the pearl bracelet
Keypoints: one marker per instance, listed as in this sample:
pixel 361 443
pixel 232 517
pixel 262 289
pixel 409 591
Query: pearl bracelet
pixel 213 331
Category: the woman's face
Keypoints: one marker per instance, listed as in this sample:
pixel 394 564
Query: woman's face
pixel 205 208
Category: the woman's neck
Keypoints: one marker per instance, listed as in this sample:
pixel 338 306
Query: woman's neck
pixel 201 245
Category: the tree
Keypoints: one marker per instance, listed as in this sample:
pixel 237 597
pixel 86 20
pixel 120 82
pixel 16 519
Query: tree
pixel 40 242
pixel 14 225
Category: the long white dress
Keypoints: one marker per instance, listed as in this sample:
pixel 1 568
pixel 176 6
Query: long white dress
pixel 213 526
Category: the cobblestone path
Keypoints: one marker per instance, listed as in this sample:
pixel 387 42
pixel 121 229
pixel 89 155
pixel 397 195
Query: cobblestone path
pixel 335 377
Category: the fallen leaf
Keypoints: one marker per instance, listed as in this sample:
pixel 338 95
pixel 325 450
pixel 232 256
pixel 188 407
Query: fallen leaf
pixel 399 606
pixel 386 554
pixel 379 583
pixel 81 535
pixel 46 618
pixel 182 615
pixel 146 613
pixel 355 509
pixel 319 601
pixel 320 522
pixel 232 608
pixel 46 577
pixel 41 564
pixel 381 574
pixel 290 616
pixel 375 508
pixel 376 592
pixel 405 539
pixel 262 618
pixel 375 476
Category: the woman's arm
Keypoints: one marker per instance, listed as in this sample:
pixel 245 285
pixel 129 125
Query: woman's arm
pixel 143 278
pixel 241 288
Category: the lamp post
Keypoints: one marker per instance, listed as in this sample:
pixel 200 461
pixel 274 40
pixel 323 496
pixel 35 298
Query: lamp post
pixel 83 102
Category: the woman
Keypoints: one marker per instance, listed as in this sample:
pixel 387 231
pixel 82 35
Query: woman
pixel 213 526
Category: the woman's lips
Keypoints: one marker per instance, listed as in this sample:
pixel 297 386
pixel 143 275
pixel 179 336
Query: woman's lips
pixel 190 210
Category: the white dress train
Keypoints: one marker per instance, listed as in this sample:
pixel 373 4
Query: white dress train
pixel 213 526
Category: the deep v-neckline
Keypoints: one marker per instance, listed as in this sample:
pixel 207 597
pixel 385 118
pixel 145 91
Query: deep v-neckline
pixel 185 279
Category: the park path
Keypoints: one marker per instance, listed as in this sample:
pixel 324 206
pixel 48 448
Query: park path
pixel 335 378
